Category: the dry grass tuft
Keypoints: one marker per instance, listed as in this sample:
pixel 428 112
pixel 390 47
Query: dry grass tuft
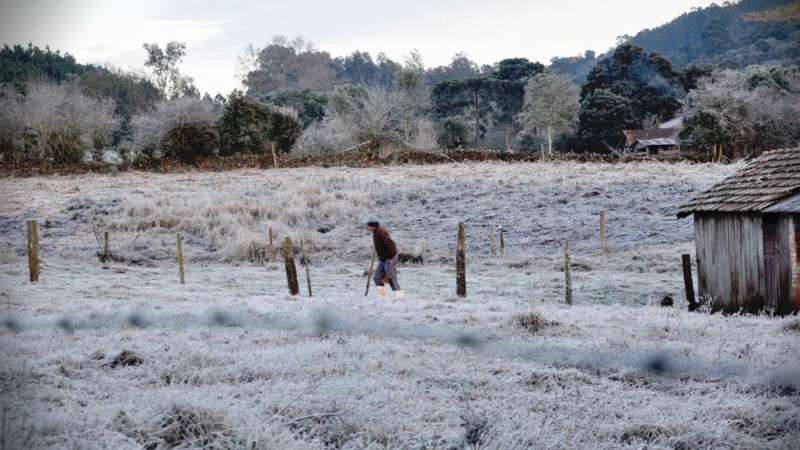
pixel 126 358
pixel 533 322
pixel 181 426
pixel 476 430
pixel 644 433
pixel 330 428
pixel 793 326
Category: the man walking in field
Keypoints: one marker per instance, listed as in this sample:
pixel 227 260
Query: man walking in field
pixel 387 256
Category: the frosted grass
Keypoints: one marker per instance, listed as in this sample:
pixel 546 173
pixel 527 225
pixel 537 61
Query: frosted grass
pixel 230 360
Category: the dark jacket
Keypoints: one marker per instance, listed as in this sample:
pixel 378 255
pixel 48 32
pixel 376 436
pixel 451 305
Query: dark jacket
pixel 384 245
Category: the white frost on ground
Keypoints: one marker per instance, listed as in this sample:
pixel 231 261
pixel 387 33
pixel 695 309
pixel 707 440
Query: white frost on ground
pixel 230 360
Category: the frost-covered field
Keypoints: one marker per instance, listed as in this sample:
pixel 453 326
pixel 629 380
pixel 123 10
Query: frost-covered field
pixel 119 354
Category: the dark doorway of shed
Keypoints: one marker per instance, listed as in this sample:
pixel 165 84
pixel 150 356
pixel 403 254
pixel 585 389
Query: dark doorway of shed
pixel 770 229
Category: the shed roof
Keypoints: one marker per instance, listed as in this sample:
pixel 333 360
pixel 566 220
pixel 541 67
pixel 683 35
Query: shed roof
pixel 765 182
pixel 656 142
pixel 789 205
pixel 632 136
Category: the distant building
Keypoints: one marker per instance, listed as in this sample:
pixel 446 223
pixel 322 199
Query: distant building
pixel 661 141
pixel 747 236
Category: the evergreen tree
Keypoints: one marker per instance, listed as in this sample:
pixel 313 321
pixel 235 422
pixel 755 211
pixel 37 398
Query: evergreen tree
pixel 19 65
pixel 644 86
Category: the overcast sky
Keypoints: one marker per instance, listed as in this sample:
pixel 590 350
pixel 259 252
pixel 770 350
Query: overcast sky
pixel 216 33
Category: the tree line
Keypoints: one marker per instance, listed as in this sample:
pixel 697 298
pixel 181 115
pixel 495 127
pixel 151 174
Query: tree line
pixel 299 99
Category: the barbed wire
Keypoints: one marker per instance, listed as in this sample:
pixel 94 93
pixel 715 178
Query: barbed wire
pixel 661 362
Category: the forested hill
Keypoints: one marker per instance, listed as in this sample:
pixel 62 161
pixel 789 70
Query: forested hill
pixel 733 35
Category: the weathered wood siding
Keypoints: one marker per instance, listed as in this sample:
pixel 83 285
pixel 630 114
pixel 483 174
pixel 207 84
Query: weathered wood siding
pixel 784 257
pixel 788 264
pixel 730 260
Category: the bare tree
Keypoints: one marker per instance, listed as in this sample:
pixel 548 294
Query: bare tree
pixel 412 93
pixel 301 45
pixel 248 62
pixel 551 104
pixel 166 75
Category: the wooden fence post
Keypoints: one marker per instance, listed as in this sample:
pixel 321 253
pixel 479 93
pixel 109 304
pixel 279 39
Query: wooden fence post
pixel 105 246
pixel 687 281
pixel 502 244
pixel 461 263
pixel 291 269
pixel 491 239
pixel 567 275
pixel 180 258
pixel 308 271
pixel 603 241
pixel 33 251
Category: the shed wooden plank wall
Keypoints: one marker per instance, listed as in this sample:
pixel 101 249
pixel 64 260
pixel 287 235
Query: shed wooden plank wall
pixel 730 261
pixel 788 268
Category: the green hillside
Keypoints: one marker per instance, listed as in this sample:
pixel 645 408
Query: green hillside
pixel 733 35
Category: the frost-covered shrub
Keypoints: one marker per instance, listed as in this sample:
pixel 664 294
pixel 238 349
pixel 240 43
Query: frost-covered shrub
pixel 284 127
pixel 355 115
pixel 54 122
pixel 241 127
pixel 424 135
pixel 322 137
pixel 249 126
pixel 527 141
pixel 165 132
pixel 64 145
pixel 188 141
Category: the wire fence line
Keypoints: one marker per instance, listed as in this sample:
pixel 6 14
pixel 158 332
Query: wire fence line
pixel 660 362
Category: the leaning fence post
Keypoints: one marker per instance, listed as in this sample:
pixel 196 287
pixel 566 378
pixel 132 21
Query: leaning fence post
pixel 687 281
pixel 291 269
pixel 567 276
pixel 180 258
pixel 33 251
pixel 461 262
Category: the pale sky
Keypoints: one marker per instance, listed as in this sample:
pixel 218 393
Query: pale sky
pixel 216 33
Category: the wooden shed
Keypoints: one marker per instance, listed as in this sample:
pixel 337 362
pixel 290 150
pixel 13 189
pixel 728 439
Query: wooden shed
pixel 652 141
pixel 747 235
